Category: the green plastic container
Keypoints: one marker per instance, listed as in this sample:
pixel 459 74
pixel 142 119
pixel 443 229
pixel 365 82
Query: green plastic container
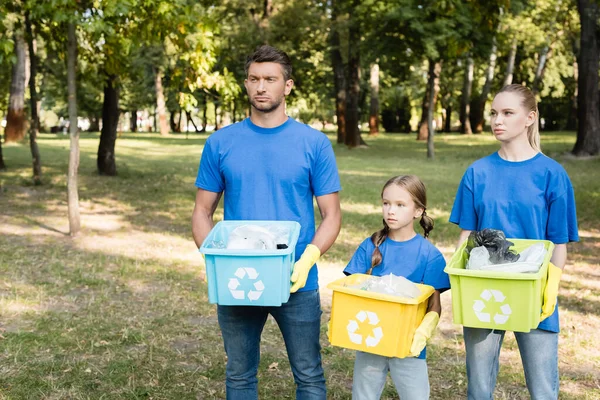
pixel 494 299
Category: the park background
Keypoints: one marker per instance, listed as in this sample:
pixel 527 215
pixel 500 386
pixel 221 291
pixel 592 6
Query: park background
pixel 105 107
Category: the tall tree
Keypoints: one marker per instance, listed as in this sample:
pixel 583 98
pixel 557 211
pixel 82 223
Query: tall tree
pixel 353 138
pixel 435 67
pixel 15 118
pixel 465 102
pixel 588 97
pixel 161 109
pixel 477 120
pixel 510 63
pixel 34 122
pixel 108 135
pixel 339 74
pixel 72 186
pixel 374 109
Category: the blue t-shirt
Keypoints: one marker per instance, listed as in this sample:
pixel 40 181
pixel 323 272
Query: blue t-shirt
pixel 416 259
pixel 271 174
pixel 531 199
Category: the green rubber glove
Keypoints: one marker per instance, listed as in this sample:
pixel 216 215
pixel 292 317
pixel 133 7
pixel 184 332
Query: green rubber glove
pixel 302 267
pixel 551 291
pixel 424 332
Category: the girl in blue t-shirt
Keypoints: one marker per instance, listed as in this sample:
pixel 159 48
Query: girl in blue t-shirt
pixel 397 249
pixel 527 195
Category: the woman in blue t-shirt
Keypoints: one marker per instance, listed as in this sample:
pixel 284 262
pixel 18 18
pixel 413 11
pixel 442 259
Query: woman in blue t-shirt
pixel 527 195
pixel 397 249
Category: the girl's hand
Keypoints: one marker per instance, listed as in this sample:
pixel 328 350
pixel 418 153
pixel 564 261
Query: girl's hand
pixel 551 291
pixel 424 332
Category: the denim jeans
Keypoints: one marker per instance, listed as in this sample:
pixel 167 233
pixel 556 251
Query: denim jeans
pixel 539 354
pixel 370 372
pixel 299 321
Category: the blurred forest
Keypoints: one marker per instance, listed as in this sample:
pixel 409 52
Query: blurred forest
pixel 359 66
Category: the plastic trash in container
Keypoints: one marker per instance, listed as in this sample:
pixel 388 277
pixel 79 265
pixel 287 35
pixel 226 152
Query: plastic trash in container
pixel 392 285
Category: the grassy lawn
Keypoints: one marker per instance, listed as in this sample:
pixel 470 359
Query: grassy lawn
pixel 121 311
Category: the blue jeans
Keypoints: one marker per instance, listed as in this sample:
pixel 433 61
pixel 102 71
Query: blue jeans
pixel 539 354
pixel 370 372
pixel 299 321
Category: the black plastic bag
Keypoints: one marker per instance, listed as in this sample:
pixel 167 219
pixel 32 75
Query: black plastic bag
pixel 495 241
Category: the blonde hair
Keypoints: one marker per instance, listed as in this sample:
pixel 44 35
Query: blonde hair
pixel 416 188
pixel 530 104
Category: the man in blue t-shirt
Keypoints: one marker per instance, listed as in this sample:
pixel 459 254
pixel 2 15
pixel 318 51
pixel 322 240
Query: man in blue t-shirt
pixel 269 167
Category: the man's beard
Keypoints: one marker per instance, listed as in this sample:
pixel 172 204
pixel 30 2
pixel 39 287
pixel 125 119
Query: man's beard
pixel 266 107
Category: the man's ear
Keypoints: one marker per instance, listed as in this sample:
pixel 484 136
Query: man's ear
pixel 288 86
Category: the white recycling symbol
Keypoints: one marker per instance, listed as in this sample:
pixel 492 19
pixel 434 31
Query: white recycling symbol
pixel 377 333
pixel 499 297
pixel 234 283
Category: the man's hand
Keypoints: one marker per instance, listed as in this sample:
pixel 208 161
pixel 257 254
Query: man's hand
pixel 302 267
pixel 551 291
pixel 424 332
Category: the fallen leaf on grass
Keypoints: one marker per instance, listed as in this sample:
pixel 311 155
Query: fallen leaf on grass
pixel 274 366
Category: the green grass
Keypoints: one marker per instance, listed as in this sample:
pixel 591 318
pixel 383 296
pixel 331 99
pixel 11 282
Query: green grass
pixel 121 311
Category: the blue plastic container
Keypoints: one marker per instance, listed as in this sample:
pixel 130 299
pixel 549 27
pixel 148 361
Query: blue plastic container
pixel 248 277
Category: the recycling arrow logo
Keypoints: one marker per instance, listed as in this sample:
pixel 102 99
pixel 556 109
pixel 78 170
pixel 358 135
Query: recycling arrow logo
pixel 376 334
pixel 480 305
pixel 234 284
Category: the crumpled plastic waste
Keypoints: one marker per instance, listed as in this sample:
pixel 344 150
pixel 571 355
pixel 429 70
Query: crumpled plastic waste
pixel 495 242
pixel 389 284
pixel 257 237
pixel 478 258
pixel 530 260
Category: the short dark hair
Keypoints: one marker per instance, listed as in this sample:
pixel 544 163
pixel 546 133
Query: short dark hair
pixel 266 53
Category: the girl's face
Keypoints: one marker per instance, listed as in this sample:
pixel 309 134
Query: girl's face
pixel 399 209
pixel 509 118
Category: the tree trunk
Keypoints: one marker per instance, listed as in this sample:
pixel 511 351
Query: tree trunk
pixel 465 101
pixel 72 187
pixel 216 104
pixel 2 164
pixel 374 110
pixel 428 106
pixel 435 69
pixel 352 112
pixel 510 64
pixel 94 124
pixel 108 135
pixel 588 97
pixel 190 119
pixel 204 117
pixel 172 123
pixel 572 118
pixel 339 74
pixel 447 120
pixel 422 128
pixel 478 118
pixel 15 117
pixel 34 123
pixel 133 120
pixel 539 71
pixel 160 104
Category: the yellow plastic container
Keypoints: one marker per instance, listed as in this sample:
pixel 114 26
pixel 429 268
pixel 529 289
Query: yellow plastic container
pixel 372 322
pixel 494 299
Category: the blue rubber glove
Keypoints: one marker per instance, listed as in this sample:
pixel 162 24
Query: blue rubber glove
pixel 302 267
